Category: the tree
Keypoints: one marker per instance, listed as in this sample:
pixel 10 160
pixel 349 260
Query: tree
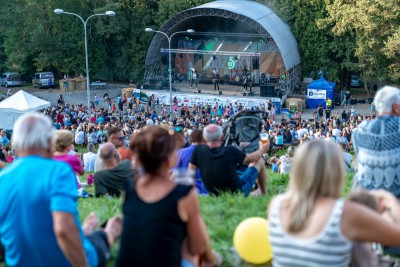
pixel 375 25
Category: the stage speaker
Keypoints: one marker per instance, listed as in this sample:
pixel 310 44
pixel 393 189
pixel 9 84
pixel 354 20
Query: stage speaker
pixel 263 81
pixel 199 91
pixel 256 63
pixel 220 92
pixel 263 76
pixel 268 91
pixel 164 58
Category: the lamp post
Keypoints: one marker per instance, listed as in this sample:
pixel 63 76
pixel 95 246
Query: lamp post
pixel 169 62
pixel 107 13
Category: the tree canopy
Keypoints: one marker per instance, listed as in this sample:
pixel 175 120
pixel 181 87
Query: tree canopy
pixel 335 37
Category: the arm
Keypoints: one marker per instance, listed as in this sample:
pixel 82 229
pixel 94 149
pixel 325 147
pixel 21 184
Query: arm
pixel 68 238
pixel 192 167
pixel 365 225
pixel 198 239
pixel 256 155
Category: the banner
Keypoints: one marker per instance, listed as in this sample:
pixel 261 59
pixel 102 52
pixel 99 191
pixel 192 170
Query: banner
pixel 214 100
pixel 316 94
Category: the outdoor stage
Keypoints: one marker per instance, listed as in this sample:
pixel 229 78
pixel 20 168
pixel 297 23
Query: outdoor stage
pixel 224 41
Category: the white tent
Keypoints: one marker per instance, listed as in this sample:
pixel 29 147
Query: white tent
pixel 18 104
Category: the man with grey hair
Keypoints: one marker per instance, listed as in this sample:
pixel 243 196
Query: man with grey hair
pixel 111 180
pixel 39 222
pixel 218 165
pixel 377 145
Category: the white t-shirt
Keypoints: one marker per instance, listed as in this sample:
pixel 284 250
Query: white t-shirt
pixel 79 138
pixel 88 161
pixel 286 164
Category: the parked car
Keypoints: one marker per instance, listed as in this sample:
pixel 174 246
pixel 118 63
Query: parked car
pixel 10 79
pixel 355 81
pixel 43 79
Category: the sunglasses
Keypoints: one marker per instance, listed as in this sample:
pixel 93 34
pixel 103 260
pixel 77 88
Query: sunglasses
pixel 122 138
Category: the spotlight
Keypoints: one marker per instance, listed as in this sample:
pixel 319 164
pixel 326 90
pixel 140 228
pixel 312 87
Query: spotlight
pixel 236 58
pixel 180 56
pixel 214 57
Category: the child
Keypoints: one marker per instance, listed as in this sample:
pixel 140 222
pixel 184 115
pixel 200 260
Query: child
pixel 274 162
pixel 10 156
pixel 362 254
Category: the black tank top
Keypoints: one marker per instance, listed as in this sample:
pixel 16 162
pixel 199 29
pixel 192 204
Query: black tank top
pixel 152 232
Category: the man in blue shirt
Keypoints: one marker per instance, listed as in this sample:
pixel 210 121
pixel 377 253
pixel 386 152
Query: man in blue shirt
pixel 39 222
pixel 184 155
pixel 4 140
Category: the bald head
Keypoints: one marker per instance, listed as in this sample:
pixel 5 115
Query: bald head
pixel 107 151
pixel 212 133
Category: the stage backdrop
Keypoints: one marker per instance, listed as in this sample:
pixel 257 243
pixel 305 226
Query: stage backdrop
pixel 318 91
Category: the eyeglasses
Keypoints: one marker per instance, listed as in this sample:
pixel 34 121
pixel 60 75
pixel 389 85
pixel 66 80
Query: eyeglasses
pixel 122 138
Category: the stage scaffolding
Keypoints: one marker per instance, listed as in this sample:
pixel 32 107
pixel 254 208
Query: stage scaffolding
pixel 154 69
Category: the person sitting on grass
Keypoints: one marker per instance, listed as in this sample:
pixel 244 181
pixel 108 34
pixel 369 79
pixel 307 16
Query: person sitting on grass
pixel 314 220
pixel 219 165
pixel 39 223
pixel 111 180
pixel 274 162
pixel 162 222
pixel 285 162
pixel 63 142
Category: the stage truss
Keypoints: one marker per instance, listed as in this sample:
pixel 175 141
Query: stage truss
pixel 156 70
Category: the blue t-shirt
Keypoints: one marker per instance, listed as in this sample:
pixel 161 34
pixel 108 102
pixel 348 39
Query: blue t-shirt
pixel 31 189
pixel 4 140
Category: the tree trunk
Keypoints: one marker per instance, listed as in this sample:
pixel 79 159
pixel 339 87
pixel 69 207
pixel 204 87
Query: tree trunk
pixel 367 89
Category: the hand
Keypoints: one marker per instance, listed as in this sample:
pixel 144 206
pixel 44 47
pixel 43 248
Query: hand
pixel 264 147
pixel 386 200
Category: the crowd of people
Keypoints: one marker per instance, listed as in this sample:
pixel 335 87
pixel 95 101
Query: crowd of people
pixel 139 146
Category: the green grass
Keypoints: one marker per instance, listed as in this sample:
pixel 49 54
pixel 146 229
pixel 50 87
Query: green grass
pixel 222 214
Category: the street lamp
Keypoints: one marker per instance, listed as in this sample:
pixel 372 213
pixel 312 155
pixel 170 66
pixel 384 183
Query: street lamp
pixel 107 13
pixel 169 61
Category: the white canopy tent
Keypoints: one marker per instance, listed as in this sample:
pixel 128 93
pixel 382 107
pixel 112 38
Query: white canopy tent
pixel 18 104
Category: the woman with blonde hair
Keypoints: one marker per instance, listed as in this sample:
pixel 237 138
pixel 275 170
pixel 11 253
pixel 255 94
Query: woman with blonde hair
pixel 63 143
pixel 311 225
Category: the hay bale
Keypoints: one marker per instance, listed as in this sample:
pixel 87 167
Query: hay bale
pixel 298 103
pixel 128 91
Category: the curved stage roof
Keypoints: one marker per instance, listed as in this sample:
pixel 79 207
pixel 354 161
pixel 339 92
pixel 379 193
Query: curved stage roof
pixel 259 18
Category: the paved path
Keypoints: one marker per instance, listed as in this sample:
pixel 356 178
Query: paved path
pixel 79 97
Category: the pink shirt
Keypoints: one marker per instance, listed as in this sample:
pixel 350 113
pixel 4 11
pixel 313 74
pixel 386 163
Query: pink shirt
pixel 73 161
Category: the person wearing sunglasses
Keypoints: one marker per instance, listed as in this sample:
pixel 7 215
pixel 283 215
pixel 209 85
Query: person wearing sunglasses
pixel 117 138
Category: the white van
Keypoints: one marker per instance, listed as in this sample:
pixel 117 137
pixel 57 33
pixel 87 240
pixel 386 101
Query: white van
pixel 43 79
pixel 10 79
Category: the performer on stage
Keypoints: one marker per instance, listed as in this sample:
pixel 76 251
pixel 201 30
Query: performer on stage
pixel 216 79
pixel 194 78
pixel 245 83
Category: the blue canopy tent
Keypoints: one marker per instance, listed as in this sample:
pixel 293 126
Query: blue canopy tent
pixel 318 91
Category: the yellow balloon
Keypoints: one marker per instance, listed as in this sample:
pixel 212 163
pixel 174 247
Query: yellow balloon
pixel 251 240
